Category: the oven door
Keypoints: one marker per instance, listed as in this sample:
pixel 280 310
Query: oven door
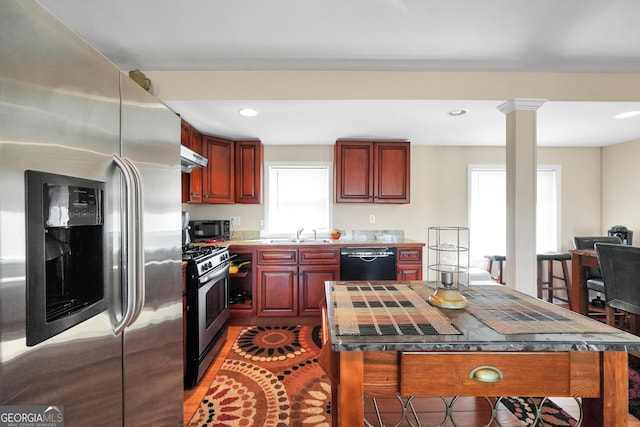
pixel 213 305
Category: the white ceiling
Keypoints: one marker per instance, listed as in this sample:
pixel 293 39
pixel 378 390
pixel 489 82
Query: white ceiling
pixel 595 36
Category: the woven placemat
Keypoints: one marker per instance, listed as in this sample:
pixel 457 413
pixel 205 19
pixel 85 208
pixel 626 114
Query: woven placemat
pixel 377 309
pixel 510 312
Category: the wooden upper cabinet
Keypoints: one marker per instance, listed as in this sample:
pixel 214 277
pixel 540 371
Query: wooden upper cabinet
pixel 391 176
pixel 191 182
pixel 185 133
pixel 372 172
pixel 195 177
pixel 218 177
pixel 234 173
pixel 248 172
pixel 354 171
pixel 185 129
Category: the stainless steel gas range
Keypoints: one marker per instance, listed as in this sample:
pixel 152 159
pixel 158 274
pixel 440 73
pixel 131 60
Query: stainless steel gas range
pixel 207 310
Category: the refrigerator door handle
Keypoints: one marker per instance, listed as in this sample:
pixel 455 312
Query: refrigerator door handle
pixel 128 245
pixel 139 244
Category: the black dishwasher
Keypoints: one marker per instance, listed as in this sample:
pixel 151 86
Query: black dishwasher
pixel 375 263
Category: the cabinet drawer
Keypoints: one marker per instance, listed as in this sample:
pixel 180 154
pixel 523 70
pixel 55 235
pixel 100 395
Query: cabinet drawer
pixel 277 256
pixel 409 255
pixel 539 374
pixel 319 256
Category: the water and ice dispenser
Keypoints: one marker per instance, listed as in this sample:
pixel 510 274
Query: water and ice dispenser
pixel 65 253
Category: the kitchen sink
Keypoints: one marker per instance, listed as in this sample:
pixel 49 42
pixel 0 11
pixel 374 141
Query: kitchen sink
pixel 297 241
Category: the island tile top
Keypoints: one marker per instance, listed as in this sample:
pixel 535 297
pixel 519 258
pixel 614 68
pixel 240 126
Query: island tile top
pixel 394 315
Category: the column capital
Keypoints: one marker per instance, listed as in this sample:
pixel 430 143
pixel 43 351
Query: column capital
pixel 526 104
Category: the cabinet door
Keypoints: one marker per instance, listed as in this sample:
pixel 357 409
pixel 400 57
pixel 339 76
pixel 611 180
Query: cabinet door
pixel 195 177
pixel 277 291
pixel 248 173
pixel 409 272
pixel 354 171
pixel 391 183
pixel 185 130
pixel 312 278
pixel 409 263
pixel 218 175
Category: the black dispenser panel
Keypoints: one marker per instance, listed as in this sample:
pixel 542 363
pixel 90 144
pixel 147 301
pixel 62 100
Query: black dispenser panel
pixel 65 253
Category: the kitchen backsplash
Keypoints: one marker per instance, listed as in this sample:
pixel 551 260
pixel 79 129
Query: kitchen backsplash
pixel 354 235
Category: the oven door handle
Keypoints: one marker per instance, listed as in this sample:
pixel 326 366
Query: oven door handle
pixel 221 270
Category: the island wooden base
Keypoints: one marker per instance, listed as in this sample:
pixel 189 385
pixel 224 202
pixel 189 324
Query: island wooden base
pixel 600 378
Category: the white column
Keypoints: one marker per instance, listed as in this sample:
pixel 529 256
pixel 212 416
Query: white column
pixel 521 193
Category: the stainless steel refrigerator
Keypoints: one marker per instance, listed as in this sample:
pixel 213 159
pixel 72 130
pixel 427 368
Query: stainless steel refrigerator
pixel 83 147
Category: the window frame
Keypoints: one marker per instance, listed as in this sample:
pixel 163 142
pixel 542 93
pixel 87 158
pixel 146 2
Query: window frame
pixel 557 173
pixel 302 165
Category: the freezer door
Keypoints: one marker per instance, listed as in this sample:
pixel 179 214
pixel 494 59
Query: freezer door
pixel 59 114
pixel 153 373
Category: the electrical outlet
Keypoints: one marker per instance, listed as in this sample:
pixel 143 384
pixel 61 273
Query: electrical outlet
pixel 372 219
pixel 235 220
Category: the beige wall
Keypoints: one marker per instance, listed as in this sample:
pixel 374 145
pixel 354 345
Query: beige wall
pixel 314 85
pixel 620 187
pixel 438 174
pixel 439 190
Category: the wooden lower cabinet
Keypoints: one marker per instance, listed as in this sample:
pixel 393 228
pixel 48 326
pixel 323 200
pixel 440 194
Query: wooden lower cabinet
pixel 409 263
pixel 311 287
pixel 409 272
pixel 278 291
pixel 242 295
pixel 291 281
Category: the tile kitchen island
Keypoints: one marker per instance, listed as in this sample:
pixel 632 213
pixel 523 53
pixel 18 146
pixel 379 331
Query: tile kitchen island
pixel 383 339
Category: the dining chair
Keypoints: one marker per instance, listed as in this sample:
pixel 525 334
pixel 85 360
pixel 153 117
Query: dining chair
pixel 594 275
pixel 620 266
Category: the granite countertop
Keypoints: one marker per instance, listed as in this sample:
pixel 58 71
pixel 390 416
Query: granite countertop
pixel 326 241
pixel 474 334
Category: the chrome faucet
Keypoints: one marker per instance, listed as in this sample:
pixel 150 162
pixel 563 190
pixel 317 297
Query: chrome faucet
pixel 298 233
pixel 315 234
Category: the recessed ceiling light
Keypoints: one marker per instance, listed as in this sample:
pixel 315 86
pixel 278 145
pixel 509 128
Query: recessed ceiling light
pixel 455 113
pixel 247 112
pixel 627 114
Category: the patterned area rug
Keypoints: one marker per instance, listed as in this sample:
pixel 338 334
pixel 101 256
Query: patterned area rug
pixel 634 386
pixel 271 378
pixel 551 414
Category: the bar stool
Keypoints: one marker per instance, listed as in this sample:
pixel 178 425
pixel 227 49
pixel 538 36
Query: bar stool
pixel 499 259
pixel 549 284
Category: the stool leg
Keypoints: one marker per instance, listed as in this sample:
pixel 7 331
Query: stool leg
pixel 567 280
pixel 550 281
pixel 500 273
pixel 540 279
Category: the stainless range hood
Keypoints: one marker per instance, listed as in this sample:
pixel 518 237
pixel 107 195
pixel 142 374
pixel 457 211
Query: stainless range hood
pixel 189 160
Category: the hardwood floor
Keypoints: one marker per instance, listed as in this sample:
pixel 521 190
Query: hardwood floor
pixel 193 397
pixel 469 411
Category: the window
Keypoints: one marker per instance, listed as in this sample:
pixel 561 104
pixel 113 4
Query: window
pixel 298 195
pixel 488 207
